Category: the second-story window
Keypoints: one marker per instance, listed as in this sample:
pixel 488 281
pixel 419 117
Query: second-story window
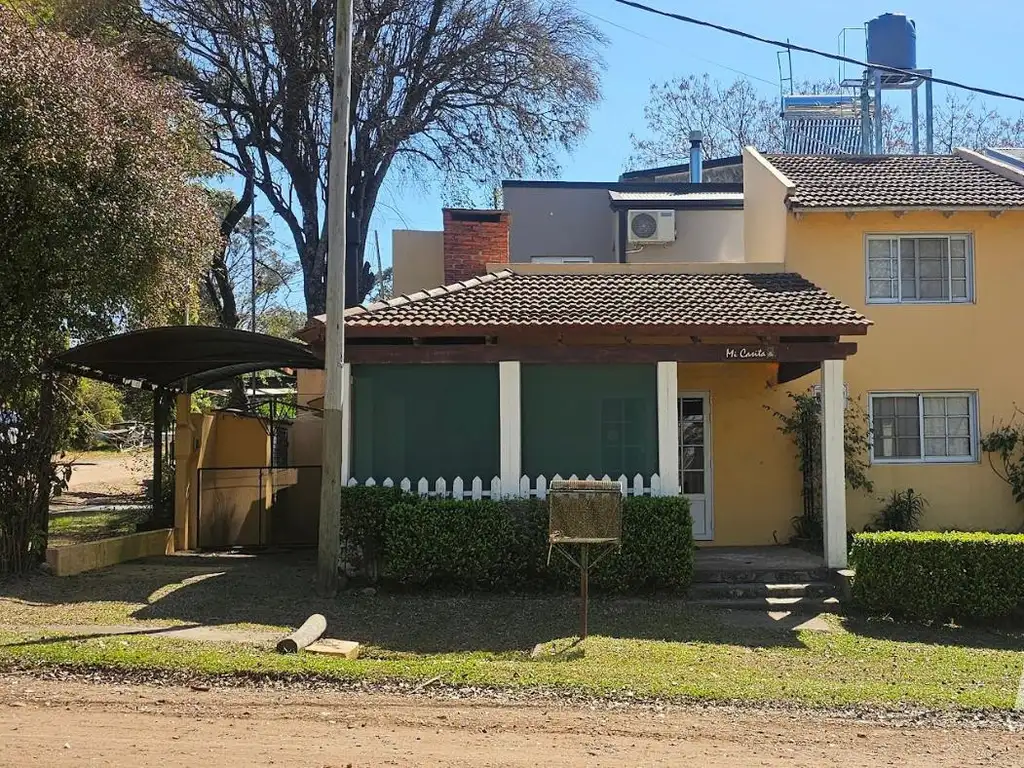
pixel 919 268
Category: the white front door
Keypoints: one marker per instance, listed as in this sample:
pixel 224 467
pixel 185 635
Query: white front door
pixel 695 460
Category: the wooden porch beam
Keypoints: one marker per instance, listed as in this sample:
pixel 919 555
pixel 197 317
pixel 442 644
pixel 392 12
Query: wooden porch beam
pixel 620 353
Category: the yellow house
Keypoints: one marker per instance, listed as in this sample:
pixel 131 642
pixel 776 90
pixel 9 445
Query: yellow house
pixel 929 248
pixel 648 332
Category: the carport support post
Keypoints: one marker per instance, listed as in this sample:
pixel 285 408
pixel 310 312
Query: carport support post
pixel 158 452
pixel 833 463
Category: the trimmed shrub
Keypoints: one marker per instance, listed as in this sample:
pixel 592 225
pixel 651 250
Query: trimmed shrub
pixel 502 545
pixel 363 509
pixel 468 544
pixel 939 576
pixel 657 547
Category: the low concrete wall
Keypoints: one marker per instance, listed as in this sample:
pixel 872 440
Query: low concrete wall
pixel 77 558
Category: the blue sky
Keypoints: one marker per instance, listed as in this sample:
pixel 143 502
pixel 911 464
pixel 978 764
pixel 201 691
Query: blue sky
pixel 977 43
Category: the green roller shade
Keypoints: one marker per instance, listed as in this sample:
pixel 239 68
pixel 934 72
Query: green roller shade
pixel 589 420
pixel 425 421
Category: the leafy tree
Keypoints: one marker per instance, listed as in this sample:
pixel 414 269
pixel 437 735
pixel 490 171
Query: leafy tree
pixel 737 114
pixel 457 88
pixel 281 321
pixel 101 228
pixel 95 404
pixel 121 24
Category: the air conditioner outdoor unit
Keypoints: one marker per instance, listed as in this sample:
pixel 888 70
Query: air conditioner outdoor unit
pixel 652 226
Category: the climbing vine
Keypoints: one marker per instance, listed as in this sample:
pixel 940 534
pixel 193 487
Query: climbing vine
pixel 803 425
pixel 1004 447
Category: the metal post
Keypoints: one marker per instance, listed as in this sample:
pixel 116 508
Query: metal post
pixel 914 128
pixel 584 588
pixel 158 452
pixel 334 333
pixel 929 144
pixel 865 118
pixel 252 287
pixel 878 112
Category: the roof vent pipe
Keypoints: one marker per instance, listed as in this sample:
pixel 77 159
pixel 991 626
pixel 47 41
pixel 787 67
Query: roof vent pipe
pixel 696 157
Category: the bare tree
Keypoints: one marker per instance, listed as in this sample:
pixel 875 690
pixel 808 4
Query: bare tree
pixel 732 116
pixel 455 88
pixel 729 116
pixel 965 120
pixel 227 285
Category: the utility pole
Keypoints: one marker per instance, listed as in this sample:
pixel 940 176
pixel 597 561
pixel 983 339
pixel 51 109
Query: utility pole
pixel 334 336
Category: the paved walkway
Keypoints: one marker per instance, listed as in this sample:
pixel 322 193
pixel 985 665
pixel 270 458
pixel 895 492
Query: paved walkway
pixel 210 634
pixel 778 558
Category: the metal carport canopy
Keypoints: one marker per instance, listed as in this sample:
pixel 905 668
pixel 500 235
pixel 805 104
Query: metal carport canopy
pixel 183 358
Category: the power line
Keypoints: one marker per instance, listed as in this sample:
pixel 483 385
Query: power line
pixel 666 45
pixel 815 52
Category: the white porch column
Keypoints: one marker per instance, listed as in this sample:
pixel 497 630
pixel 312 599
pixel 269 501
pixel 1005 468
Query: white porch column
pixel 510 432
pixel 668 427
pixel 346 423
pixel 833 463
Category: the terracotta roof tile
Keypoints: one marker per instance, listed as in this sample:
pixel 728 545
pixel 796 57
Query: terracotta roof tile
pixel 507 299
pixel 927 181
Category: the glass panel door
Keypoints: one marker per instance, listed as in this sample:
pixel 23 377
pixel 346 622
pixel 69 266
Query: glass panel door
pixel 695 461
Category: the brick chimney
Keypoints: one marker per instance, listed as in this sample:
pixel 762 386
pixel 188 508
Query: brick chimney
pixel 472 240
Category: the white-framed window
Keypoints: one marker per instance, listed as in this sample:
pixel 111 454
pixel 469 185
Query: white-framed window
pixel 920 269
pixel 561 259
pixel 915 427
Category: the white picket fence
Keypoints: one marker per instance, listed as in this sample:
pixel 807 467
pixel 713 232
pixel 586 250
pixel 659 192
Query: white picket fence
pixel 528 487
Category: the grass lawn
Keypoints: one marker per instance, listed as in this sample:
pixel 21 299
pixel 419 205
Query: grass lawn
pixel 74 527
pixel 655 647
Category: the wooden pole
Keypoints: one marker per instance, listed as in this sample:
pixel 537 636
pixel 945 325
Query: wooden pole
pixel 337 212
pixel 310 631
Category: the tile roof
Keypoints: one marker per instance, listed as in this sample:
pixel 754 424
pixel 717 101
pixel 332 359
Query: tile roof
pixel 895 181
pixel 507 299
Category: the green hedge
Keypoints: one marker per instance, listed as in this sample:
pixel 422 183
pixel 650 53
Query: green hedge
pixel 502 545
pixel 362 524
pixel 939 576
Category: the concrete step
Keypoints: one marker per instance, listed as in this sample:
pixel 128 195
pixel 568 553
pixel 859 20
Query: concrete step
pixel 813 605
pixel 759 576
pixel 734 591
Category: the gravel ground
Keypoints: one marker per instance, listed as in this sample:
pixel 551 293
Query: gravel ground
pixel 434 690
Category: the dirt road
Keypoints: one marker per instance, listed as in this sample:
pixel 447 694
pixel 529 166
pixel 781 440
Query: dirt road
pixel 46 723
pixel 105 478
